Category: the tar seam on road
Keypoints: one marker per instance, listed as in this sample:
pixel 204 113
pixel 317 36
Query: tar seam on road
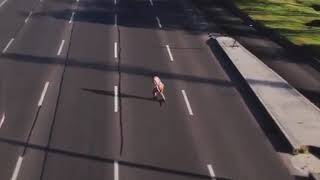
pixel 116 170
pixel 211 172
pixel 27 19
pixel 2 119
pixel 71 18
pixel 8 45
pixel 119 92
pixel 61 47
pixel 17 168
pixel 187 102
pixel 116 99
pixel 45 88
pixel 159 23
pixel 56 108
pixel 169 52
pixel 3 2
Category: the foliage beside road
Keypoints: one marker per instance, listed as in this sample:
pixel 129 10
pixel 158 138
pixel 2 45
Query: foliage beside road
pixel 298 20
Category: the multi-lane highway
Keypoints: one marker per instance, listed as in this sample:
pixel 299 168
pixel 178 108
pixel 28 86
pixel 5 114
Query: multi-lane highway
pixel 76 102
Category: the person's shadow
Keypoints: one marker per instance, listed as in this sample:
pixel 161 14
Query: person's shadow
pixel 122 95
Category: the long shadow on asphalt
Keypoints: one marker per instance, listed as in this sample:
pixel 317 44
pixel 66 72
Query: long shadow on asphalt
pixel 107 160
pixel 122 95
pixel 136 70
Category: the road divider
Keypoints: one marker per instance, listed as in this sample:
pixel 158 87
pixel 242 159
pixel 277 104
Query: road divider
pixel 296 117
pixel 116 170
pixel 187 102
pixel 169 52
pixel 116 99
pixel 61 47
pixel 71 18
pixel 2 119
pixel 158 21
pixel 44 91
pixel 17 168
pixel 8 45
pixel 211 172
pixel 27 19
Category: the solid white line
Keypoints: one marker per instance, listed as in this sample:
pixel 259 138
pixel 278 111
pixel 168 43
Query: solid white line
pixel 17 168
pixel 2 119
pixel 43 93
pixel 158 20
pixel 187 102
pixel 115 50
pixel 211 171
pixel 116 20
pixel 27 19
pixel 8 45
pixel 116 170
pixel 169 51
pixel 71 19
pixel 60 48
pixel 116 99
pixel 151 2
pixel 3 2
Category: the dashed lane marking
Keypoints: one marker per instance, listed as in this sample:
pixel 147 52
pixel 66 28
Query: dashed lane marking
pixel 187 102
pixel 116 99
pixel 159 23
pixel 61 47
pixel 27 19
pixel 17 168
pixel 44 91
pixel 169 52
pixel 211 172
pixel 8 45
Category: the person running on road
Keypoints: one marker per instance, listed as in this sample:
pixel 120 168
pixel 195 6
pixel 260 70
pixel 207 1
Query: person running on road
pixel 158 88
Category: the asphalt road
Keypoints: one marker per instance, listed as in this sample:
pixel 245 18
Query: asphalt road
pixel 77 101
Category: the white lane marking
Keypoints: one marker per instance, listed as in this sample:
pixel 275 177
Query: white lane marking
pixel 212 174
pixel 71 19
pixel 27 19
pixel 60 48
pixel 116 20
pixel 2 119
pixel 8 45
pixel 169 52
pixel 17 168
pixel 77 1
pixel 159 23
pixel 3 2
pixel 115 2
pixel 116 99
pixel 115 49
pixel 151 2
pixel 116 170
pixel 187 102
pixel 43 93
